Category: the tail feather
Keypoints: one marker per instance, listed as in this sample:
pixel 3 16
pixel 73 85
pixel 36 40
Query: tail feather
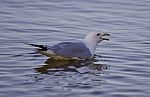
pixel 41 47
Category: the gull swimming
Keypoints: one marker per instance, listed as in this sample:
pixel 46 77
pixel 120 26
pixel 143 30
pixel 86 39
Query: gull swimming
pixel 73 50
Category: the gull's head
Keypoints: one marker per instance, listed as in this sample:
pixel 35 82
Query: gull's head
pixel 96 37
pixel 92 39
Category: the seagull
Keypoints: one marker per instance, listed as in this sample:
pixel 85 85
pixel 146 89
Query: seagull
pixel 73 50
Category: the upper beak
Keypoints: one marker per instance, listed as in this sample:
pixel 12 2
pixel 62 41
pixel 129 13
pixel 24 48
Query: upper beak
pixel 105 34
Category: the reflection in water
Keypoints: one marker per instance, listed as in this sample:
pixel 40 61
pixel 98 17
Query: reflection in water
pixel 69 65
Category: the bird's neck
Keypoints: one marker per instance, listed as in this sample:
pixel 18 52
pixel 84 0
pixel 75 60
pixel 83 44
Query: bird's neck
pixel 91 45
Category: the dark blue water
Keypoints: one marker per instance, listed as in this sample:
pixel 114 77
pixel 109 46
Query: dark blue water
pixel 120 69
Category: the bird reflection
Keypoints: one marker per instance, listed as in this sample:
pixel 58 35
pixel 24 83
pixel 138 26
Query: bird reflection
pixel 52 65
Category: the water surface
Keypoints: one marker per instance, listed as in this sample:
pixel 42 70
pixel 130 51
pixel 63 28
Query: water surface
pixel 120 69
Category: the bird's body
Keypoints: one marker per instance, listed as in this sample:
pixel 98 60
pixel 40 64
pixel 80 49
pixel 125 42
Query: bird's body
pixel 73 50
pixel 67 50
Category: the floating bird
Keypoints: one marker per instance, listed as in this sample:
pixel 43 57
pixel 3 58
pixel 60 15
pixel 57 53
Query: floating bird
pixel 73 50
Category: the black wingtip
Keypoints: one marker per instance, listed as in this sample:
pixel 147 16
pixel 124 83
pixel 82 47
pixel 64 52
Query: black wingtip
pixel 42 47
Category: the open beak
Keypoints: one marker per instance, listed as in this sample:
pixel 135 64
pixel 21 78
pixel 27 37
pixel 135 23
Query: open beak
pixel 105 34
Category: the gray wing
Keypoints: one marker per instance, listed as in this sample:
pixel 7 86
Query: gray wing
pixel 70 50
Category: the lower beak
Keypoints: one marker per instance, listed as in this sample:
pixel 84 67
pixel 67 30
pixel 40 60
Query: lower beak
pixel 105 39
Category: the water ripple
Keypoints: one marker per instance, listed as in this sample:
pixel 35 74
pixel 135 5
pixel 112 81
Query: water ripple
pixel 121 68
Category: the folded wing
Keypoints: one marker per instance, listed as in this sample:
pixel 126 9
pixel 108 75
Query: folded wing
pixel 71 50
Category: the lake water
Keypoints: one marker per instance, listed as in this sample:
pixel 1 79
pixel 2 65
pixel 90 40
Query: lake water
pixel 121 67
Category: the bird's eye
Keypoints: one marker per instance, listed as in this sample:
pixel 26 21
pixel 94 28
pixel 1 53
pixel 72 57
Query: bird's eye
pixel 98 34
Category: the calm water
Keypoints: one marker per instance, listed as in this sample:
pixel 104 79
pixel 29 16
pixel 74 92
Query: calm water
pixel 121 67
